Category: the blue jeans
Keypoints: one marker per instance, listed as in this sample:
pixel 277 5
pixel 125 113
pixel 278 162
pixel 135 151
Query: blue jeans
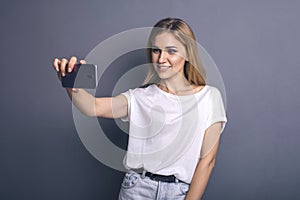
pixel 138 187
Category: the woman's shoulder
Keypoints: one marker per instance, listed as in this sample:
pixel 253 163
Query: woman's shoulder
pixel 207 91
pixel 209 88
pixel 214 93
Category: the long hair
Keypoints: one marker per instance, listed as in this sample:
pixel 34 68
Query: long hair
pixel 193 70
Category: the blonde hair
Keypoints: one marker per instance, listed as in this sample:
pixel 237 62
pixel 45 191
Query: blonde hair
pixel 193 70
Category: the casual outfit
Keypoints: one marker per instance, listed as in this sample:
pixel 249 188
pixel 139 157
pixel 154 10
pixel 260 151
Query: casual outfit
pixel 165 138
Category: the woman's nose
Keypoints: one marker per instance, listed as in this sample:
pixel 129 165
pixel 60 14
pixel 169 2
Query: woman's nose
pixel 162 57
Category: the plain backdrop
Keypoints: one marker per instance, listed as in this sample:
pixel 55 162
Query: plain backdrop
pixel 255 44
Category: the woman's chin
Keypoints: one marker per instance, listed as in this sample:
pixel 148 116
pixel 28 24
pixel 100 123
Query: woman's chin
pixel 163 76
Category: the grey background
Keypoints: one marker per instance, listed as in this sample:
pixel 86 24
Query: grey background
pixel 254 43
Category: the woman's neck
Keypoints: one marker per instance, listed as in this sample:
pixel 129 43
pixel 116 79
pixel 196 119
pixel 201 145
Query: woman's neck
pixel 176 85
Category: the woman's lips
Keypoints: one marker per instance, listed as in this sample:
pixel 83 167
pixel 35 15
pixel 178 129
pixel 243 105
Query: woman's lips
pixel 162 68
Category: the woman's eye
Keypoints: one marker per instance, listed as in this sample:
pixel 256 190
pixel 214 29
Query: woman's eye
pixel 172 51
pixel 156 51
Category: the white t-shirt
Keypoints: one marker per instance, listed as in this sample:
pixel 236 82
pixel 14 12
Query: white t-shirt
pixel 166 131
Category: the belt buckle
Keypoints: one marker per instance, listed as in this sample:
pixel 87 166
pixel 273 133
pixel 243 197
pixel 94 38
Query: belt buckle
pixel 157 177
pixel 163 178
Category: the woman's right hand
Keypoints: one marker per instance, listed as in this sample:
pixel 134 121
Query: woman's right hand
pixel 63 66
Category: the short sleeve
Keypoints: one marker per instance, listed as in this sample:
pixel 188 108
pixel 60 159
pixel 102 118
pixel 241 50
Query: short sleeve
pixel 216 113
pixel 216 109
pixel 127 94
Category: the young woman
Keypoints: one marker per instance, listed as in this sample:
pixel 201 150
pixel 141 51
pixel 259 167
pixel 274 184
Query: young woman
pixel 175 118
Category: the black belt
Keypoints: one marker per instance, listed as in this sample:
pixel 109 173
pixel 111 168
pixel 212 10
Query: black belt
pixel 163 178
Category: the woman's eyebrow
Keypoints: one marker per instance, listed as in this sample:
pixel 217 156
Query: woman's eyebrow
pixel 171 47
pixel 167 47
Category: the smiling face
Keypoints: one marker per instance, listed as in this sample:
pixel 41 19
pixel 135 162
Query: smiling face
pixel 168 56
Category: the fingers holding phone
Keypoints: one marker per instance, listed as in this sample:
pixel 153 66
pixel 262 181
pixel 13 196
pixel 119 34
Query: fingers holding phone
pixel 63 66
pixel 76 75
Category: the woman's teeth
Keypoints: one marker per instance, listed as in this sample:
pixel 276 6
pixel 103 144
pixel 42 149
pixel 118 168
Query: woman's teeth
pixel 163 67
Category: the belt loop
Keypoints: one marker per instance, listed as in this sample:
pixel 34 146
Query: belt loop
pixel 143 174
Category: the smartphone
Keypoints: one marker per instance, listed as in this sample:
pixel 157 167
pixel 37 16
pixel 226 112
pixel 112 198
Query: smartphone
pixel 82 76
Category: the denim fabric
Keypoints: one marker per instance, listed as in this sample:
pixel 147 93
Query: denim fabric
pixel 137 187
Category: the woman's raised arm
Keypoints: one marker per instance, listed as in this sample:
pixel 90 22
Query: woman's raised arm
pixel 109 107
